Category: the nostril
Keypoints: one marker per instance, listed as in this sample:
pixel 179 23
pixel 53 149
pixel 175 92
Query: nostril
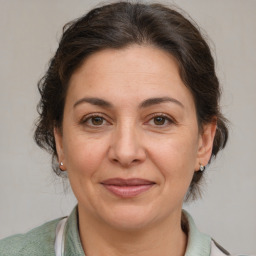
pixel 125 163
pixel 126 154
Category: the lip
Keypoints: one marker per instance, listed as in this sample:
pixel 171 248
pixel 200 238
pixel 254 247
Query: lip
pixel 127 188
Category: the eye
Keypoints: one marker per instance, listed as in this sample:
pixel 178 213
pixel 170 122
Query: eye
pixel 94 121
pixel 160 120
pixel 97 120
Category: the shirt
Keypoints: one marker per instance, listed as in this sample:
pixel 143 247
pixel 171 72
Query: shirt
pixel 40 241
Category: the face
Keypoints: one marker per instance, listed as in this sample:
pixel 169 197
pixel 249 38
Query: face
pixel 130 140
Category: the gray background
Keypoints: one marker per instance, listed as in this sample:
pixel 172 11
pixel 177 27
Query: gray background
pixel 30 194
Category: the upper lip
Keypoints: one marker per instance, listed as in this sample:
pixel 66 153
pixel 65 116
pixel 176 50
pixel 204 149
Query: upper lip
pixel 127 182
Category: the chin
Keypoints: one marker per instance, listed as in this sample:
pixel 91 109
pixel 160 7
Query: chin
pixel 130 218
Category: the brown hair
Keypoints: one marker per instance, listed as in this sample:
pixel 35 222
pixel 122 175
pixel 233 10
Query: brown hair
pixel 118 25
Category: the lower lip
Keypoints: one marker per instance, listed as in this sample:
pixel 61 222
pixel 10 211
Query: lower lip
pixel 128 191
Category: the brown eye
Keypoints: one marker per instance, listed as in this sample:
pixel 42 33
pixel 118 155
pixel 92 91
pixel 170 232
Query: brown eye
pixel 97 120
pixel 159 120
pixel 94 121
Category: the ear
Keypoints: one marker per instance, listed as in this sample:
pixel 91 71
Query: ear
pixel 205 144
pixel 59 147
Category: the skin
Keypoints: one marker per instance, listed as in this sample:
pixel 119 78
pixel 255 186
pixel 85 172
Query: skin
pixel 159 142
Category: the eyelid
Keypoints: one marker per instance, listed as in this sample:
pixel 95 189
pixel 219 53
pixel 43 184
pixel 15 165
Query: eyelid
pixel 170 119
pixel 87 117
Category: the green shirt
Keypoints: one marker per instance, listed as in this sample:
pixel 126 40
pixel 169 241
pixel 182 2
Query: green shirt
pixel 40 241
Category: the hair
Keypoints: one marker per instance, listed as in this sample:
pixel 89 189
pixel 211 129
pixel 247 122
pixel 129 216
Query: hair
pixel 117 26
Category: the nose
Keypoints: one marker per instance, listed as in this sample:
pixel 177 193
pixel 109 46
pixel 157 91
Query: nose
pixel 126 148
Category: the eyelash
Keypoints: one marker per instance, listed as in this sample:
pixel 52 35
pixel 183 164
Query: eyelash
pixel 86 120
pixel 166 118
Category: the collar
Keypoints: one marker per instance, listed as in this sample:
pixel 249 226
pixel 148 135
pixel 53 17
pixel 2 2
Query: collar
pixel 199 244
pixel 73 245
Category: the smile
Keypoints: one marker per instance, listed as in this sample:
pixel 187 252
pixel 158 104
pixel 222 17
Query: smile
pixel 127 188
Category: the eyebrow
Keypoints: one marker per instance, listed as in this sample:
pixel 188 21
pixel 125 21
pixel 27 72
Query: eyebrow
pixel 146 103
pixel 94 101
pixel 154 101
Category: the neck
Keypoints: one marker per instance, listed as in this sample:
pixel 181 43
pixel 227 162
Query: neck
pixel 163 238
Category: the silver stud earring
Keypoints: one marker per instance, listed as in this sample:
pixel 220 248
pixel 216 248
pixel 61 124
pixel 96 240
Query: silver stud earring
pixel 201 168
pixel 61 166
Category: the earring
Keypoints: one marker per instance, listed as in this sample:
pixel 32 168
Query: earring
pixel 61 166
pixel 201 168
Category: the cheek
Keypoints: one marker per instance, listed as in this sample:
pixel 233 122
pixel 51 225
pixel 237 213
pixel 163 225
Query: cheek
pixel 84 155
pixel 175 157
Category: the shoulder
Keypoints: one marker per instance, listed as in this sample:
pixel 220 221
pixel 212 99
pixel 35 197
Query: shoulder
pixel 218 250
pixel 200 243
pixel 37 242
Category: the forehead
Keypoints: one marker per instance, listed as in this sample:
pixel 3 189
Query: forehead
pixel 136 71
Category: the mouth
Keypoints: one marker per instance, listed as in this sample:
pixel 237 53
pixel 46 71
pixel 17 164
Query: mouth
pixel 127 188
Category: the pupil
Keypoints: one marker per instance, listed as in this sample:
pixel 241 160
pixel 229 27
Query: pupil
pixel 97 120
pixel 159 120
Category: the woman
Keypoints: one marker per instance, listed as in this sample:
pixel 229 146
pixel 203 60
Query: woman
pixel 130 111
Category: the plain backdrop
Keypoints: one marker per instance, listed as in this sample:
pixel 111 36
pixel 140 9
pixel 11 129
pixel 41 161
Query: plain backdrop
pixel 30 194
